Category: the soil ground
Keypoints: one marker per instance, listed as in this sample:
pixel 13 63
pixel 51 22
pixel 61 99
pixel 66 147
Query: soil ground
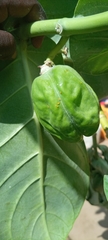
pixel 91 224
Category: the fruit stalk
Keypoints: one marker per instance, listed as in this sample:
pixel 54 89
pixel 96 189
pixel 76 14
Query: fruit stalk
pixel 58 47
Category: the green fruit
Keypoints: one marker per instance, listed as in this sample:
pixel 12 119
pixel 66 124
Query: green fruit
pixel 65 105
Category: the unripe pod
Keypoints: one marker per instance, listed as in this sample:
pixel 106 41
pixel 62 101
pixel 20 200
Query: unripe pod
pixel 65 105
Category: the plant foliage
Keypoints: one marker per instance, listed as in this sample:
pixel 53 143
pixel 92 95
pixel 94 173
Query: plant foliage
pixel 44 181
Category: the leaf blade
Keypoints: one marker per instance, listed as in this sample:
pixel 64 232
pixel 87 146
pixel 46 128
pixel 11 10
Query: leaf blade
pixel 28 156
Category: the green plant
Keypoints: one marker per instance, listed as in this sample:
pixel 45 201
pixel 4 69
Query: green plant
pixel 44 181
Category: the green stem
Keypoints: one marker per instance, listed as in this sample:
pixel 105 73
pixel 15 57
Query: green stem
pixel 95 146
pixel 57 48
pixel 65 26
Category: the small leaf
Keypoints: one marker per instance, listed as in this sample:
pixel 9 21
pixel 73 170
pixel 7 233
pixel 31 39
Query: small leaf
pixel 106 186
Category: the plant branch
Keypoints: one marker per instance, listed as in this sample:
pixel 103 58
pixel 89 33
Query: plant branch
pixel 65 26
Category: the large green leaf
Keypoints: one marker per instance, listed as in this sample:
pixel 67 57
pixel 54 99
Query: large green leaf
pixel 59 9
pixel 98 82
pixel 89 52
pixel 89 7
pixel 43 181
